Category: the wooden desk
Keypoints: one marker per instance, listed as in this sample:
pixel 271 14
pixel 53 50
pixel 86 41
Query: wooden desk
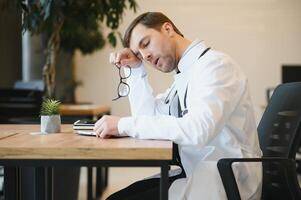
pixel 6 134
pixel 84 110
pixel 69 149
pixel 71 113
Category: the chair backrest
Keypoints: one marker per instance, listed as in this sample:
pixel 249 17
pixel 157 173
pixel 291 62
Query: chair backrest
pixel 279 135
pixel 30 85
pixel 19 103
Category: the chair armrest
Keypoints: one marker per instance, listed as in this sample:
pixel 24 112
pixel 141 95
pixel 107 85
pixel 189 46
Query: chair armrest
pixel 224 166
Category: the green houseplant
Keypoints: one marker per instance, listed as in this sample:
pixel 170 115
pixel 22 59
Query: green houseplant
pixel 70 25
pixel 50 117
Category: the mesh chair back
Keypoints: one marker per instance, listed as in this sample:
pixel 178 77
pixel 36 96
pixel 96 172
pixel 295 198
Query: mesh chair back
pixel 19 103
pixel 279 136
pixel 30 85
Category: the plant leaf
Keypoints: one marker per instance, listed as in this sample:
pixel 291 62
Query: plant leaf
pixel 50 107
pixel 112 39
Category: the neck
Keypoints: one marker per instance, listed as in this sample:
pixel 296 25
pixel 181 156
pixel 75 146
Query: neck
pixel 181 46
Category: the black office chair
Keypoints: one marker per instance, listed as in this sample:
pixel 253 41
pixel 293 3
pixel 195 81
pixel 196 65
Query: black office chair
pixel 30 85
pixel 20 105
pixel 2 181
pixel 279 136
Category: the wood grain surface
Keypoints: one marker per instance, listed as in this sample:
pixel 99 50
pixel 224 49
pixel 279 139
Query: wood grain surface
pixel 84 109
pixel 22 141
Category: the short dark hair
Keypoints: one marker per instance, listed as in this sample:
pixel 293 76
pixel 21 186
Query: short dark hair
pixel 153 20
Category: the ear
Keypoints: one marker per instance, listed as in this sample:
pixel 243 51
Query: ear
pixel 168 29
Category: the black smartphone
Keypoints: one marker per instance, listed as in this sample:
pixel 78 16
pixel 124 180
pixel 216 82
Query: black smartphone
pixel 84 124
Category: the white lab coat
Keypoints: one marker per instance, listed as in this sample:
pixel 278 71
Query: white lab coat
pixel 220 123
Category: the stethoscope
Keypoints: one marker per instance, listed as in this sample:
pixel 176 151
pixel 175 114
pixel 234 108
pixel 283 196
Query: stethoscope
pixel 168 99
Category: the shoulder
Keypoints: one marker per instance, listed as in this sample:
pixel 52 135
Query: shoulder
pixel 216 65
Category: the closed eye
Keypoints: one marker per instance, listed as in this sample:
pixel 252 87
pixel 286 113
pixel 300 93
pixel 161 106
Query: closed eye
pixel 145 44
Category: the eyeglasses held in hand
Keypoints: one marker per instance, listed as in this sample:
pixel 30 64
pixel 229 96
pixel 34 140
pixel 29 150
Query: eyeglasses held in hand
pixel 123 88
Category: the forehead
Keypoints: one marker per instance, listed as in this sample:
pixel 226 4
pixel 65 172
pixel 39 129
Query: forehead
pixel 138 33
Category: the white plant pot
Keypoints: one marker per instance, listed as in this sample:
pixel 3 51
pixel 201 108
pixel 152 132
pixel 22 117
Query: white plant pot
pixel 50 123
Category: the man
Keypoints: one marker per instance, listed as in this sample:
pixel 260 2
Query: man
pixel 207 111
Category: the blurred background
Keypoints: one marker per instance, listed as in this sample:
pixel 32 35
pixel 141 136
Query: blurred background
pixel 261 35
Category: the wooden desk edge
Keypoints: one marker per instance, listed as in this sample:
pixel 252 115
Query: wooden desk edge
pixel 85 154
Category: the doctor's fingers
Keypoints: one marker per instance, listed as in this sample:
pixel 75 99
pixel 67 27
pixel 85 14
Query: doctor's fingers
pixel 98 131
pixel 105 133
pixel 101 131
pixel 131 62
pixel 126 57
pixel 113 57
pixel 99 123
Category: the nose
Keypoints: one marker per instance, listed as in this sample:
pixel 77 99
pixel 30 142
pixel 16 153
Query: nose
pixel 146 55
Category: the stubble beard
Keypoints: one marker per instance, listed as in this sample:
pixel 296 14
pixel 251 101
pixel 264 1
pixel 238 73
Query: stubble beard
pixel 168 66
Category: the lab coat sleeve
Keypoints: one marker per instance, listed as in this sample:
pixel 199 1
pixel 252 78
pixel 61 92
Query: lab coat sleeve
pixel 142 100
pixel 213 94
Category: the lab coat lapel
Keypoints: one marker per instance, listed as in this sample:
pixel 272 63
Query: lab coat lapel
pixel 186 65
pixel 181 81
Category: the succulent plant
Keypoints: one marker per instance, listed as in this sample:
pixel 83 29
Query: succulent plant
pixel 50 107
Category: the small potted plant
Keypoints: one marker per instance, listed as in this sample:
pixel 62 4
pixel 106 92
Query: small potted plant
pixel 50 117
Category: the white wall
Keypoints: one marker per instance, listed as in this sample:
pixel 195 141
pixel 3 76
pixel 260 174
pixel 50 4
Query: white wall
pixel 260 35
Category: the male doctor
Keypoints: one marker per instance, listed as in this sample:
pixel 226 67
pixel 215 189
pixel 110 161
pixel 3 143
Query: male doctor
pixel 207 112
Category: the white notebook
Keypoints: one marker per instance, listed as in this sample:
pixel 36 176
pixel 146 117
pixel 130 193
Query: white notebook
pixel 85 132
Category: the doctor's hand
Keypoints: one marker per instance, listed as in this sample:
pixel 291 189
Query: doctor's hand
pixel 107 126
pixel 124 57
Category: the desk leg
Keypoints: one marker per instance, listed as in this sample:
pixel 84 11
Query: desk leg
pixel 49 183
pixel 164 182
pixel 106 177
pixel 40 182
pixel 10 183
pixel 99 182
pixel 90 183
